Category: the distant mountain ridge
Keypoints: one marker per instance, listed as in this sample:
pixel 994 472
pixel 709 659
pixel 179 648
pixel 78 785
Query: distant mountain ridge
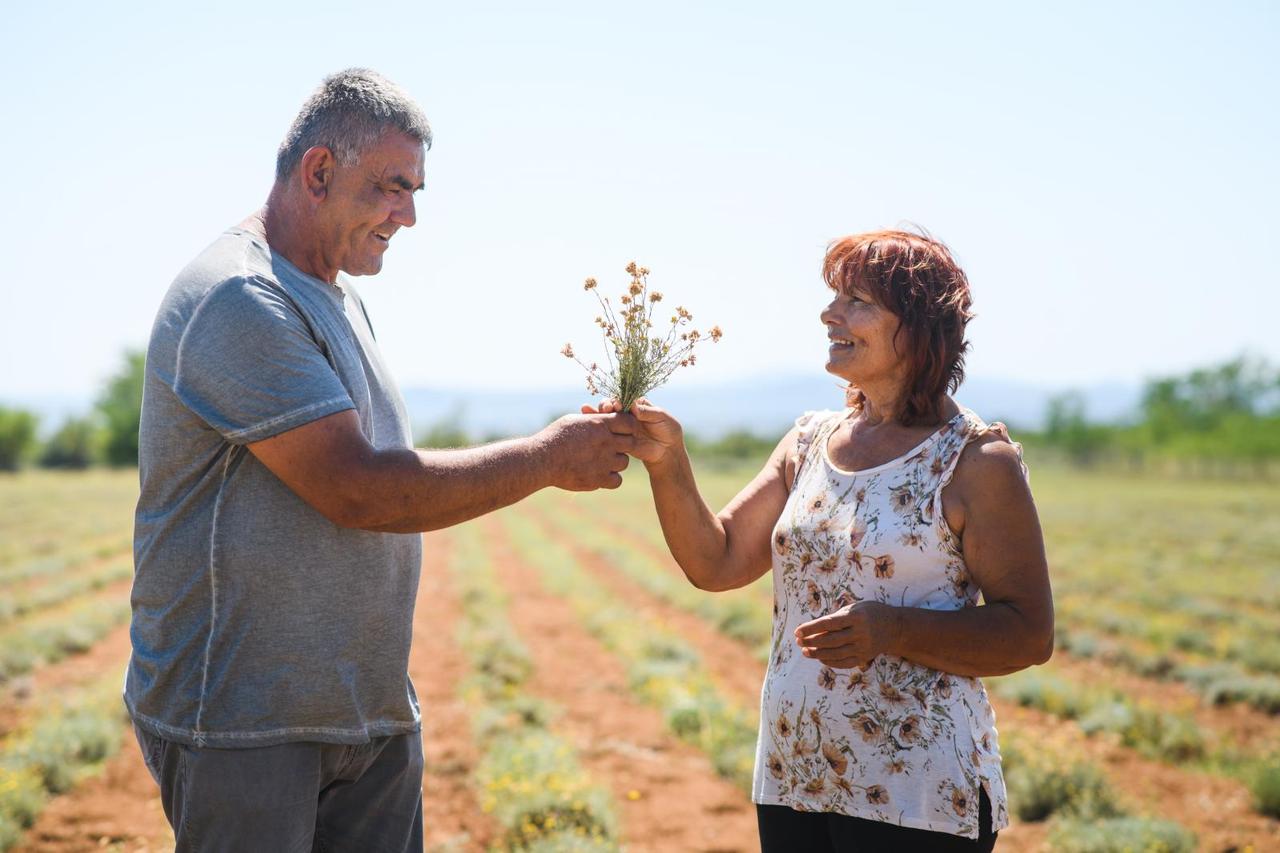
pixel 765 406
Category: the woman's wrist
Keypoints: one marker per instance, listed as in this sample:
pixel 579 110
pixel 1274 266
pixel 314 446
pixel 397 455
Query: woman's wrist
pixel 669 463
pixel 892 629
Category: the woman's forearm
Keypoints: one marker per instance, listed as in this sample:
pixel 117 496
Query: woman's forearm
pixel 695 535
pixel 993 639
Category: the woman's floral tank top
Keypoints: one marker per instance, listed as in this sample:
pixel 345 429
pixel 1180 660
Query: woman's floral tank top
pixel 898 742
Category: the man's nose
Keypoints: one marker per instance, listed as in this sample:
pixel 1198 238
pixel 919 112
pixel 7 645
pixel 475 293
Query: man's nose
pixel 406 214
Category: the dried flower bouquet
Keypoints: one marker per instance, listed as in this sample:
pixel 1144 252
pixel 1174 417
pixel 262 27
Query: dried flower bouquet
pixel 638 361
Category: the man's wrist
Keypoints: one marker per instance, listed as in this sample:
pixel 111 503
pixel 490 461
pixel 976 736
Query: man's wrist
pixel 538 452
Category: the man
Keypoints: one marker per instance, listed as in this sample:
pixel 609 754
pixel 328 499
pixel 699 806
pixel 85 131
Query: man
pixel 276 536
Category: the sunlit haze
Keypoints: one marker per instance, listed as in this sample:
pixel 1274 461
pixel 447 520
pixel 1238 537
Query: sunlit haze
pixel 1106 173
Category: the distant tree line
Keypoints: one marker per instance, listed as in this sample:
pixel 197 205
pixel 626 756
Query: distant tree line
pixel 1225 417
pixel 1214 419
pixel 108 435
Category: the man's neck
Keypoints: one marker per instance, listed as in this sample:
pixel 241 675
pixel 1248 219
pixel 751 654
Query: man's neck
pixel 280 226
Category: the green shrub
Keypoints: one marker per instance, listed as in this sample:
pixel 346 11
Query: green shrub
pixel 571 842
pixel 1120 835
pixel 745 621
pixel 22 796
pixel 1148 664
pixel 61 746
pixel 120 406
pixel 1265 785
pixel 52 637
pixel 17 437
pixel 1263 656
pixel 68 741
pixel 534 788
pixel 1039 787
pixel 1153 733
pixel 1038 689
pixel 1260 691
pixel 1079 643
pixel 76 445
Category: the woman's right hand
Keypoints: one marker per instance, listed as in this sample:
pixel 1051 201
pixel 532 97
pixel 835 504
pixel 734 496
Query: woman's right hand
pixel 659 436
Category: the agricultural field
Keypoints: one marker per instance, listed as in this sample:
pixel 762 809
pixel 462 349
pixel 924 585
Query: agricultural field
pixel 579 695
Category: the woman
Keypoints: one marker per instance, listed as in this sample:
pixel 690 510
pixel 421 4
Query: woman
pixel 881 523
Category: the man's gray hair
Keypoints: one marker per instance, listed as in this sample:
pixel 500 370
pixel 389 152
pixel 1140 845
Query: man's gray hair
pixel 347 114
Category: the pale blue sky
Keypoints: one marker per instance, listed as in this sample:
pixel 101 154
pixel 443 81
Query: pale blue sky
pixel 1107 173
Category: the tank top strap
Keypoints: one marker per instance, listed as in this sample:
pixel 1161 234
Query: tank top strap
pixel 963 429
pixel 814 428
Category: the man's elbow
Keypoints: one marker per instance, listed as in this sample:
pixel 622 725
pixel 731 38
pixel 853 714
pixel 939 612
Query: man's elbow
pixel 346 504
pixel 345 512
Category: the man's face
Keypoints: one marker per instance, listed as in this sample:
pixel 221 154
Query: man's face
pixel 368 202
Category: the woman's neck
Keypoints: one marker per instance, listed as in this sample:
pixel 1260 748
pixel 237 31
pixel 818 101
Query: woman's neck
pixel 882 402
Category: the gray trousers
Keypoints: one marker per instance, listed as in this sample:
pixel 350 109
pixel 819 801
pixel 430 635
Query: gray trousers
pixel 292 798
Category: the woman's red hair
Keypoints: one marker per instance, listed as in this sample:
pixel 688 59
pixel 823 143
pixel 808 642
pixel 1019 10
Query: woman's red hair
pixel 916 279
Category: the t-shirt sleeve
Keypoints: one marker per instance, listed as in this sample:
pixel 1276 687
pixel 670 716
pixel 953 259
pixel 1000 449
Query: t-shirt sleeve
pixel 249 366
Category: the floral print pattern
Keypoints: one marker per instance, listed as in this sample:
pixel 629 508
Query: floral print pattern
pixel 898 742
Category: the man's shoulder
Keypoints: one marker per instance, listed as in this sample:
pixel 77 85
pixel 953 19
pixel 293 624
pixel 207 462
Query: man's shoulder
pixel 234 256
pixel 231 269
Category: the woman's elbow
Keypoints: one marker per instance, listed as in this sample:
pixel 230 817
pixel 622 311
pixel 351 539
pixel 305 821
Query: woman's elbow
pixel 1030 643
pixel 1046 652
pixel 1040 644
pixel 708 578
pixel 706 583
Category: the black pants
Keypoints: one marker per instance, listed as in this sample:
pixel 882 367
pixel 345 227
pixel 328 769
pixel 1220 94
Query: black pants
pixel 785 830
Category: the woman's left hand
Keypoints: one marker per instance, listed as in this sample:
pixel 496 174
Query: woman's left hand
pixel 851 637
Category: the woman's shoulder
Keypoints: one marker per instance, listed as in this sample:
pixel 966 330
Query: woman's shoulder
pixel 810 424
pixel 990 455
pixel 798 441
pixel 815 418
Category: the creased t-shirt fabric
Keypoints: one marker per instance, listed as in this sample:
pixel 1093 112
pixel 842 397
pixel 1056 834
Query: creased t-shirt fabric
pixel 257 621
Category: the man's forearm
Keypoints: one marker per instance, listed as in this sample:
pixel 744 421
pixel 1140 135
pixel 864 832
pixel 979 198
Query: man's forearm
pixel 992 639
pixel 411 491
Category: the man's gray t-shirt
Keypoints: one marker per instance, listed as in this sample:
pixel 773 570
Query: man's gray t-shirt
pixel 257 621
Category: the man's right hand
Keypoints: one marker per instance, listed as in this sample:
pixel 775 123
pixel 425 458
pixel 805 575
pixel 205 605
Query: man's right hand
pixel 588 451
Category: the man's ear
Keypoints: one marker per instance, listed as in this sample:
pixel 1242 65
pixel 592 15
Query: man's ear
pixel 316 170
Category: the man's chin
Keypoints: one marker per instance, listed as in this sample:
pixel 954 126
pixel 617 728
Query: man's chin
pixel 369 267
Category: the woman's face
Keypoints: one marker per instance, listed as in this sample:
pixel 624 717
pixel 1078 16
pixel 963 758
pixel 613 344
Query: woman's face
pixel 862 335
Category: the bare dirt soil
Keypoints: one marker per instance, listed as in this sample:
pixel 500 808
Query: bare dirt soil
pixel 669 797
pixel 1217 809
